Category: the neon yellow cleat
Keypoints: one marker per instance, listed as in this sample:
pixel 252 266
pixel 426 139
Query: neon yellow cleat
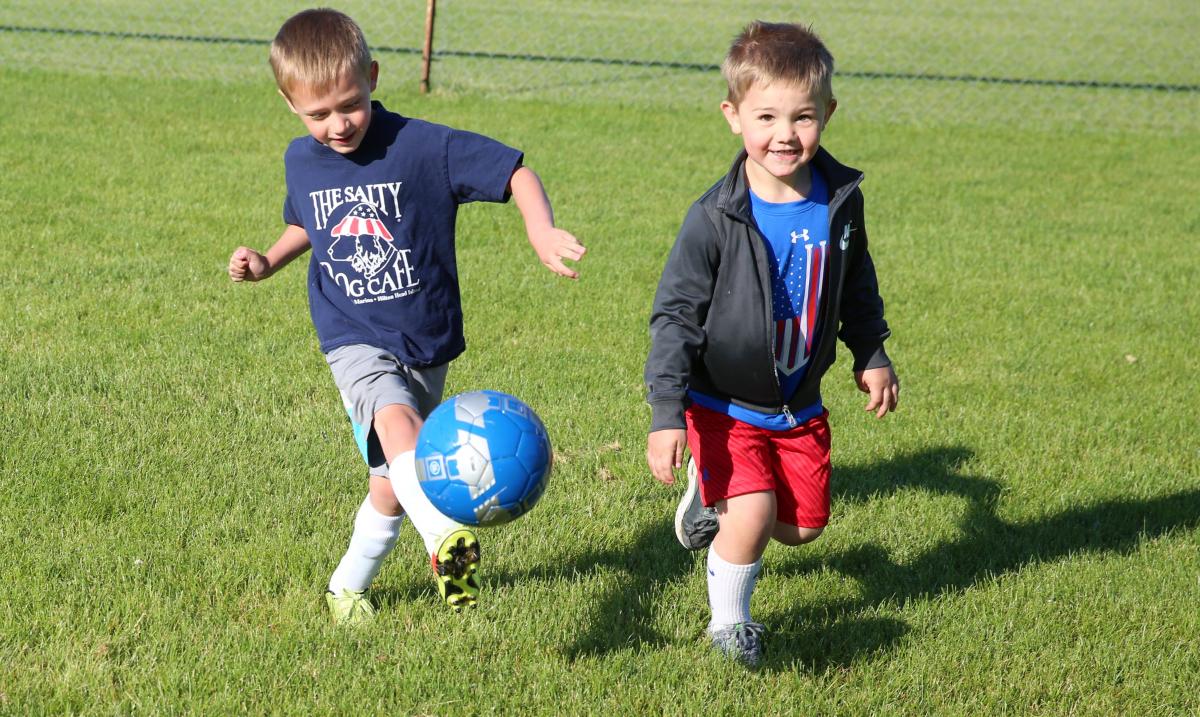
pixel 350 608
pixel 455 565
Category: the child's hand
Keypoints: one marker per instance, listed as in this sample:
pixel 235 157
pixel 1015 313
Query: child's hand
pixel 883 386
pixel 553 245
pixel 664 453
pixel 247 265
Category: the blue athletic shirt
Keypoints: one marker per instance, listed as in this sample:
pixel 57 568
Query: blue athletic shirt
pixel 381 223
pixel 796 235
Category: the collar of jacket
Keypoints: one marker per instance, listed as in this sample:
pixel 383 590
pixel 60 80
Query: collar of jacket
pixel 733 199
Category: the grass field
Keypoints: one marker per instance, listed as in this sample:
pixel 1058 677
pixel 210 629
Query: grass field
pixel 177 477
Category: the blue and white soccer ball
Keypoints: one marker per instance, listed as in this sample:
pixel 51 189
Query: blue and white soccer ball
pixel 483 458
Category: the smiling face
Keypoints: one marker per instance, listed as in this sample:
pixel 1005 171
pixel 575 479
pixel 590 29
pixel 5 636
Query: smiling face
pixel 780 124
pixel 338 117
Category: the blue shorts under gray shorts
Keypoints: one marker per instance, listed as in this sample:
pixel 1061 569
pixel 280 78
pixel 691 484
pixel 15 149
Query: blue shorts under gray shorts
pixel 370 378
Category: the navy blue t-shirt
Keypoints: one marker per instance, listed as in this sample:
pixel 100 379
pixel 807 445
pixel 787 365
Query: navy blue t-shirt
pixel 381 223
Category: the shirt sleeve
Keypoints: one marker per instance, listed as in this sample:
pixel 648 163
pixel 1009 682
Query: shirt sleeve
pixel 863 328
pixel 291 211
pixel 290 215
pixel 677 318
pixel 479 167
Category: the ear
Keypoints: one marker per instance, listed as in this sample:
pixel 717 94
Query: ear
pixel 288 100
pixel 830 110
pixel 731 116
pixel 373 74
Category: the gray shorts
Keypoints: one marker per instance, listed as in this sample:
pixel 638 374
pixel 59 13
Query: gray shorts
pixel 369 379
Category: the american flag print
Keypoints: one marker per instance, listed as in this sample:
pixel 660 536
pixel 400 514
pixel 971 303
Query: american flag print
pixel 362 239
pixel 362 219
pixel 802 283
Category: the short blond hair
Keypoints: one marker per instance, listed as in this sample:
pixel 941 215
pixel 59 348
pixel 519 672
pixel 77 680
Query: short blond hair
pixel 316 48
pixel 768 52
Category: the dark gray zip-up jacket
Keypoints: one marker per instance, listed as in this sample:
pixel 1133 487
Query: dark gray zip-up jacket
pixel 711 327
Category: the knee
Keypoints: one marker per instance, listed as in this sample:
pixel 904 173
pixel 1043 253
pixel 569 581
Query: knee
pixel 796 535
pixel 396 427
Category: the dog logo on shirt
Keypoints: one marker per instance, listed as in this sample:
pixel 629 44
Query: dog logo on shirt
pixel 377 270
pixel 362 239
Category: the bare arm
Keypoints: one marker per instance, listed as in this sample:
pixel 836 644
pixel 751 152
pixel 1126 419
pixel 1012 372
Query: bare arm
pixel 551 244
pixel 248 265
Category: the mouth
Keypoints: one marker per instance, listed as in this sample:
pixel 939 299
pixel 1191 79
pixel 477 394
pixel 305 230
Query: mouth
pixel 785 154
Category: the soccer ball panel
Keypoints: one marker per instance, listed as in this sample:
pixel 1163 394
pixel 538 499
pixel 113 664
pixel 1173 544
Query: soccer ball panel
pixel 483 458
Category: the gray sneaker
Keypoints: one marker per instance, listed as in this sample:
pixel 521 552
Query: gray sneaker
pixel 695 525
pixel 742 642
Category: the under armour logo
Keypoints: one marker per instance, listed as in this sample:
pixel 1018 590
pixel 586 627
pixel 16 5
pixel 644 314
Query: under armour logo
pixel 803 235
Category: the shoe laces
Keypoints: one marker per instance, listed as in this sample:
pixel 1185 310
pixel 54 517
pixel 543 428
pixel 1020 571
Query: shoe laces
pixel 748 636
pixel 355 604
pixel 743 641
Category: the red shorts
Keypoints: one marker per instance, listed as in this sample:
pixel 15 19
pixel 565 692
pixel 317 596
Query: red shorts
pixel 735 458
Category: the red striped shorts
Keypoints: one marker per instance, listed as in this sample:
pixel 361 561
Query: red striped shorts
pixel 735 458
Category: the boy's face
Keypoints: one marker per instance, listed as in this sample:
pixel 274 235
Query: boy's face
pixel 780 125
pixel 339 117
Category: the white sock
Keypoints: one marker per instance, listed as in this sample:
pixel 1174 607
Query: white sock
pixel 429 522
pixel 729 589
pixel 374 537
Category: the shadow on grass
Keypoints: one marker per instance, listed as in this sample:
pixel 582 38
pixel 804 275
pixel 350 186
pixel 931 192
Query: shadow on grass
pixel 839 632
pixel 622 615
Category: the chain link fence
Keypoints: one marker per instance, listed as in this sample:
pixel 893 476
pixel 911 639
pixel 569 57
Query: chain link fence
pixel 1092 64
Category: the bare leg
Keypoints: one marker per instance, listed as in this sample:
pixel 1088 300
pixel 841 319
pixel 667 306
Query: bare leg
pixel 747 524
pixel 794 534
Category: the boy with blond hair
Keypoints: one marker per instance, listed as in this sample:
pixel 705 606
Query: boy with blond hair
pixel 770 265
pixel 374 194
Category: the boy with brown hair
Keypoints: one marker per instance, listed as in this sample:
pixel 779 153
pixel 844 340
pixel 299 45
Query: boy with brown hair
pixel 770 265
pixel 375 195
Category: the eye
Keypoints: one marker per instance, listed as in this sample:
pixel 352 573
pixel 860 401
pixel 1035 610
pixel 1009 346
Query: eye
pixel 765 118
pixel 319 116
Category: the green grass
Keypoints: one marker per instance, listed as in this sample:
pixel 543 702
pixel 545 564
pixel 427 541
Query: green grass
pixel 177 477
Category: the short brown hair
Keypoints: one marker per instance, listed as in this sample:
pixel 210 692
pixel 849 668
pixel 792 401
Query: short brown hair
pixel 767 52
pixel 316 48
